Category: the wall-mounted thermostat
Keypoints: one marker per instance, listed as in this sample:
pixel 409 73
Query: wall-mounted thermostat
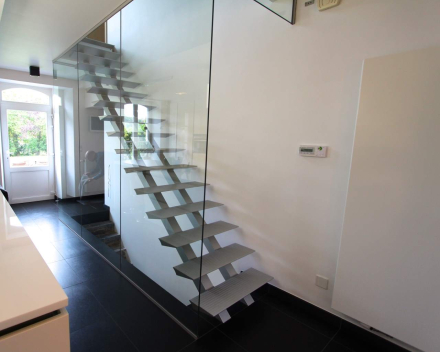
pixel 316 151
pixel 327 4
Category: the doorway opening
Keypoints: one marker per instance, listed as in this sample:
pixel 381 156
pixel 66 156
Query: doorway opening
pixel 27 143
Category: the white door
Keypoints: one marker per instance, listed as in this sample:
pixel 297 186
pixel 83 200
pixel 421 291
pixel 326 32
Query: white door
pixel 27 138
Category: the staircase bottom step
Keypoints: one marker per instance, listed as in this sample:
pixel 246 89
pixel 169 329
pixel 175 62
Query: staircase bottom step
pixel 223 296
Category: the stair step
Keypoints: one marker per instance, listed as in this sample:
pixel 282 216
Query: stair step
pixel 126 119
pixel 212 261
pixel 94 60
pixel 93 69
pixel 98 43
pixel 158 135
pixel 160 150
pixel 184 238
pixel 101 228
pixel 181 210
pixel 156 168
pixel 167 188
pixel 98 52
pixel 109 81
pixel 111 238
pixel 116 93
pixel 116 105
pixel 223 296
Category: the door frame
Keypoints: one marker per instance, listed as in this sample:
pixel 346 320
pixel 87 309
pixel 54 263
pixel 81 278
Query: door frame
pixel 5 105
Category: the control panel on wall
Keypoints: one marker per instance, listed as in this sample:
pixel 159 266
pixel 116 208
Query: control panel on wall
pixel 315 151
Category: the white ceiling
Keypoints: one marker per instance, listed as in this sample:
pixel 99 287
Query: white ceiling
pixel 34 32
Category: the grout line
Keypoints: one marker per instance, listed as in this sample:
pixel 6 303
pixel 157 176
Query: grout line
pixel 340 327
pixel 113 319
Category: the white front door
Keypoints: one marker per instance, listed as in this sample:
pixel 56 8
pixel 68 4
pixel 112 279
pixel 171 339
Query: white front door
pixel 27 137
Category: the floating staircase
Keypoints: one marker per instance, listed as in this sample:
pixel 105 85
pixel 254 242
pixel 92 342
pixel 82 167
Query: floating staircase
pixel 100 62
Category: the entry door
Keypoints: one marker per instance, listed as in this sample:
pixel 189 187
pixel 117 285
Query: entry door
pixel 27 136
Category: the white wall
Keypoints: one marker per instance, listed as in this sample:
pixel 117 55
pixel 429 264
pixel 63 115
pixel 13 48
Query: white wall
pixel 276 86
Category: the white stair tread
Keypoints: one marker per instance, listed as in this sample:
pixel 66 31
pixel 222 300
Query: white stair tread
pixel 167 188
pixel 95 60
pixel 98 51
pixel 103 70
pixel 156 168
pixel 231 291
pixel 116 93
pixel 116 104
pixel 184 238
pixel 109 81
pixel 98 43
pixel 160 150
pixel 127 119
pixel 154 134
pixel 212 261
pixel 181 210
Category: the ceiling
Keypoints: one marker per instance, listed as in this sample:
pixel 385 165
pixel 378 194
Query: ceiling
pixel 34 32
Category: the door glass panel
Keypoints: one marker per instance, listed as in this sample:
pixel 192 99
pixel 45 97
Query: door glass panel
pixel 24 95
pixel 27 134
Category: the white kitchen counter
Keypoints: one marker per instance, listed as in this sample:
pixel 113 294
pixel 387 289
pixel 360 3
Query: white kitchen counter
pixel 28 288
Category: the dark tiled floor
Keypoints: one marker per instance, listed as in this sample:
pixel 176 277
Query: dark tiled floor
pixel 108 314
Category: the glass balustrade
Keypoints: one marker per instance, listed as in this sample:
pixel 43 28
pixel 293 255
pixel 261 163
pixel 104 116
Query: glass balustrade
pixel 131 114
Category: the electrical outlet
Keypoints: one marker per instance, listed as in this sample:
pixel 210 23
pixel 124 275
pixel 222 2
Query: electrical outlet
pixel 322 282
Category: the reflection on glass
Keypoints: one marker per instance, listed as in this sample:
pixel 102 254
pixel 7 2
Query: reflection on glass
pixel 283 8
pixel 27 133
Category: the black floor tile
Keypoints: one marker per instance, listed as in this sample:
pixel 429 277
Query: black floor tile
pixel 71 247
pixel 64 274
pixel 215 341
pixel 18 209
pixel 83 308
pixel 49 253
pixel 26 219
pixel 308 314
pixel 336 347
pixel 263 328
pixel 361 340
pixel 91 266
pixel 58 232
pixel 146 325
pixel 104 336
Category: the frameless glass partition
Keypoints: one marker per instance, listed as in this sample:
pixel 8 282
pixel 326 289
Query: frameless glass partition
pixel 132 120
pixel 283 8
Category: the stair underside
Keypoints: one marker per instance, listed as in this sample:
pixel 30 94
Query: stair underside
pixel 103 70
pixel 95 60
pixel 223 296
pixel 109 81
pixel 160 150
pixel 181 210
pixel 184 238
pixel 126 119
pixel 156 168
pixel 212 261
pixel 101 228
pixel 116 105
pixel 167 188
pixel 110 239
pixel 116 93
pixel 98 43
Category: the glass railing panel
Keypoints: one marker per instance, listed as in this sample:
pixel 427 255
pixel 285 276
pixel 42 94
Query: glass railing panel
pixel 66 138
pixel 283 8
pixel 99 75
pixel 166 46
